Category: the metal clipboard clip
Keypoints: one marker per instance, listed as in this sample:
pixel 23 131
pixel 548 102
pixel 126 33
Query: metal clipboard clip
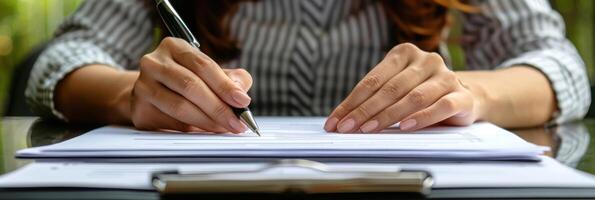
pixel 311 177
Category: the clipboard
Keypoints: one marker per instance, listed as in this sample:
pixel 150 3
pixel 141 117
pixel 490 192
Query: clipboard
pixel 321 181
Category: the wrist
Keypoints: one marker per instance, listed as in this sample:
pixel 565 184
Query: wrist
pixel 481 97
pixel 120 105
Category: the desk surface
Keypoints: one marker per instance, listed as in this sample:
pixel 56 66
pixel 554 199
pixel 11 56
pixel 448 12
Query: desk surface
pixel 572 144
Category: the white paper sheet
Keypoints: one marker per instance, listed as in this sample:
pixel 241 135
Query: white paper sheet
pixel 546 174
pixel 298 137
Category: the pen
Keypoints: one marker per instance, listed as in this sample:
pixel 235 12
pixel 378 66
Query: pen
pixel 178 29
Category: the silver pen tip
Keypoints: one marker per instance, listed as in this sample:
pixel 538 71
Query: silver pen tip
pixel 248 119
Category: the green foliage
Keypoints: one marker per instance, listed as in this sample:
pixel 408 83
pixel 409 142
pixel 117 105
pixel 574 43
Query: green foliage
pixel 579 18
pixel 23 25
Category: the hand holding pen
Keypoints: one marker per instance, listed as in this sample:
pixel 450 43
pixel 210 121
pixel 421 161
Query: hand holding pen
pixel 181 88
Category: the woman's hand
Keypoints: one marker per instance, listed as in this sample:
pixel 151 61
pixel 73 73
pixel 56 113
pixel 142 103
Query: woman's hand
pixel 180 88
pixel 409 86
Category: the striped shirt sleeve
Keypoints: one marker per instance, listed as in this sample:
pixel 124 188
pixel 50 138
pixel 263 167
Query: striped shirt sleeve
pixel 109 32
pixel 530 32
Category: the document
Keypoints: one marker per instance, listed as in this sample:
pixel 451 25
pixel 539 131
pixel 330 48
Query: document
pixel 297 137
pixel 545 174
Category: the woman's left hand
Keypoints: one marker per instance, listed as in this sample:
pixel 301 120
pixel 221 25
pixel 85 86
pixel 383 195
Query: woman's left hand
pixel 409 86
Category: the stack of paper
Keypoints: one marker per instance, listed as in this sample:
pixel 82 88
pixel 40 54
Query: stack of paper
pixel 297 138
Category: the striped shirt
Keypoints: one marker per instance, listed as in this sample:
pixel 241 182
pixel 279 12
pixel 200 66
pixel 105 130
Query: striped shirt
pixel 305 56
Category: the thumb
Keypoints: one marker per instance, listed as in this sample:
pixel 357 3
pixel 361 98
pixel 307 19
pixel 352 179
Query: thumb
pixel 242 78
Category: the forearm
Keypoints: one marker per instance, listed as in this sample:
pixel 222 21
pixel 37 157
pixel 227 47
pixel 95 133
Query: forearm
pixel 96 94
pixel 518 96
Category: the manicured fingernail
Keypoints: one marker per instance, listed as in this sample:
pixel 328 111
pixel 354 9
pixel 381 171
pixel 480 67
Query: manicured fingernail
pixel 347 126
pixel 369 126
pixel 237 125
pixel 238 83
pixel 241 98
pixel 331 123
pixel 408 124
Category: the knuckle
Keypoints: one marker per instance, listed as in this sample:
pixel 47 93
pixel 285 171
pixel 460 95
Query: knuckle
pixel 168 41
pixel 391 116
pixel 391 90
pixel 433 56
pixel 434 60
pixel 219 111
pixel 189 85
pixel 189 55
pixel 425 114
pixel 146 60
pixel 417 70
pixel 450 80
pixel 371 82
pixel 395 59
pixel 404 48
pixel 340 110
pixel 176 109
pixel 162 68
pixel 149 62
pixel 363 112
pixel 199 64
pixel 450 76
pixel 449 104
pixel 417 97
pixel 227 87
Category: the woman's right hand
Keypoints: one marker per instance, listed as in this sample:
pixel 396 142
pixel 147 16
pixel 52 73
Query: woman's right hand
pixel 180 88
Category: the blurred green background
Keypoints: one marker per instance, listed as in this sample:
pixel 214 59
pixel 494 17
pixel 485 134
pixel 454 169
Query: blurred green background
pixel 24 24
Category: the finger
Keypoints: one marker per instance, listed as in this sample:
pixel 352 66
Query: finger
pixel 158 120
pixel 446 107
pixel 466 116
pixel 210 72
pixel 200 130
pixel 182 81
pixel 388 94
pixel 417 99
pixel 180 108
pixel 241 77
pixel 178 79
pixel 392 64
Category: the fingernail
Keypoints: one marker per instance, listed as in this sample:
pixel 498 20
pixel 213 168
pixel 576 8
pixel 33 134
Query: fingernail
pixel 237 82
pixel 241 98
pixel 237 125
pixel 347 125
pixel 369 126
pixel 331 123
pixel 408 124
